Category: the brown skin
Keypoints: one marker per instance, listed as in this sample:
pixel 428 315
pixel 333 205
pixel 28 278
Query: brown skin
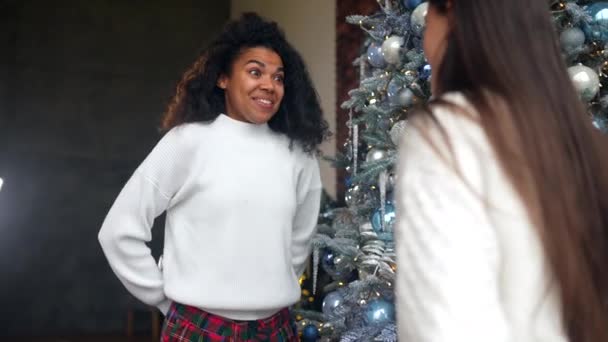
pixel 254 88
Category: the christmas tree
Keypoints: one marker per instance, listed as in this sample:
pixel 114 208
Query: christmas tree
pixel 354 247
pixel 583 33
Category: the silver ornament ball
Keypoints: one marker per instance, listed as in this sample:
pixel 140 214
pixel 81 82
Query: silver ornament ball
pixel 353 196
pixel 391 49
pixel 586 81
pixel 406 97
pixel 331 301
pixel 572 38
pixel 418 17
pixel 375 154
pixel 397 131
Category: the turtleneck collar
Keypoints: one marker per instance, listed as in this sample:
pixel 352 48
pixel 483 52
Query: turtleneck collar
pixel 226 122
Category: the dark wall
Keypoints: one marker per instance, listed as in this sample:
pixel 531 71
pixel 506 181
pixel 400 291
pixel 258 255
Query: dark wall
pixel 82 86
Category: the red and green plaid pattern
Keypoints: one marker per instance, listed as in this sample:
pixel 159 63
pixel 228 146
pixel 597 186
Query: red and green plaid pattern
pixel 188 324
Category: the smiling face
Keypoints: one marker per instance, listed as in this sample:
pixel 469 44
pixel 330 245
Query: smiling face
pixel 254 88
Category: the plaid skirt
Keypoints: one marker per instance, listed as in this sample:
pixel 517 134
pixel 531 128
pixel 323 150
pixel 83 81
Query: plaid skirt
pixel 188 324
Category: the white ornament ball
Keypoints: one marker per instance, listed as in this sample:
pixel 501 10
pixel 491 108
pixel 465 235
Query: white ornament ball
pixel 418 17
pixel 375 154
pixel 391 49
pixel 586 81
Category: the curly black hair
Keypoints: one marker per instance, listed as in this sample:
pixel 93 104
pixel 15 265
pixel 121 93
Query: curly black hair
pixel 198 98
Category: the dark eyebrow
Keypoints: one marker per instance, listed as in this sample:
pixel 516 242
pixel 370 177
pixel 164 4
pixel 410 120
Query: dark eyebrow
pixel 254 61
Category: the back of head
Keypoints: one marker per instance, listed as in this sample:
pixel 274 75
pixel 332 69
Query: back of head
pixel 198 98
pixel 505 57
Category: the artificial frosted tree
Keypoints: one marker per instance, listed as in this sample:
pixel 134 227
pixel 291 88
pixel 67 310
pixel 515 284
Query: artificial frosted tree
pixel 355 245
pixel 583 33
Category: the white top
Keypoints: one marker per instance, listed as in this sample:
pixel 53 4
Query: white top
pixel 468 270
pixel 241 210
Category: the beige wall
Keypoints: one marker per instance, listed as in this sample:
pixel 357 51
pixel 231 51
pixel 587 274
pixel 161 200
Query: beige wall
pixel 310 27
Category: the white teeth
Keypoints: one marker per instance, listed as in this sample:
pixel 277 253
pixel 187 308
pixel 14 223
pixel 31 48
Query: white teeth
pixel 264 101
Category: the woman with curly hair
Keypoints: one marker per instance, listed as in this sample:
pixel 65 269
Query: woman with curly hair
pixel 237 176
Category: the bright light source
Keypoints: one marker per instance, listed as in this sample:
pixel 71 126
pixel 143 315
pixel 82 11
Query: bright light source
pixel 1 181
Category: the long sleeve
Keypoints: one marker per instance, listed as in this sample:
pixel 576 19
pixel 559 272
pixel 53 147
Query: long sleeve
pixel 127 226
pixel 307 213
pixel 448 255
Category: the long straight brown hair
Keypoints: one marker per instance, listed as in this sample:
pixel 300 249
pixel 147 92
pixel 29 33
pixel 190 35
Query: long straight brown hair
pixel 505 57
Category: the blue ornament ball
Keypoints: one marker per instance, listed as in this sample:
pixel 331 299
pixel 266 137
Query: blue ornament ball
pixel 390 197
pixel 389 218
pixel 599 118
pixel 384 124
pixel 601 124
pixel 597 29
pixel 379 311
pixel 348 181
pixel 411 4
pixel 352 276
pixel 331 301
pixel 425 72
pixel 393 88
pixel 375 57
pixel 392 49
pixel 327 260
pixel 310 333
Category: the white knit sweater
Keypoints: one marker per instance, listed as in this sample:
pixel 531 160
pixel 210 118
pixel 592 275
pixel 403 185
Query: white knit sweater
pixel 468 270
pixel 241 209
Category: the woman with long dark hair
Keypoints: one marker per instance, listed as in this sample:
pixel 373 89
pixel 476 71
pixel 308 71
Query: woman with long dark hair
pixel 502 231
pixel 237 175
